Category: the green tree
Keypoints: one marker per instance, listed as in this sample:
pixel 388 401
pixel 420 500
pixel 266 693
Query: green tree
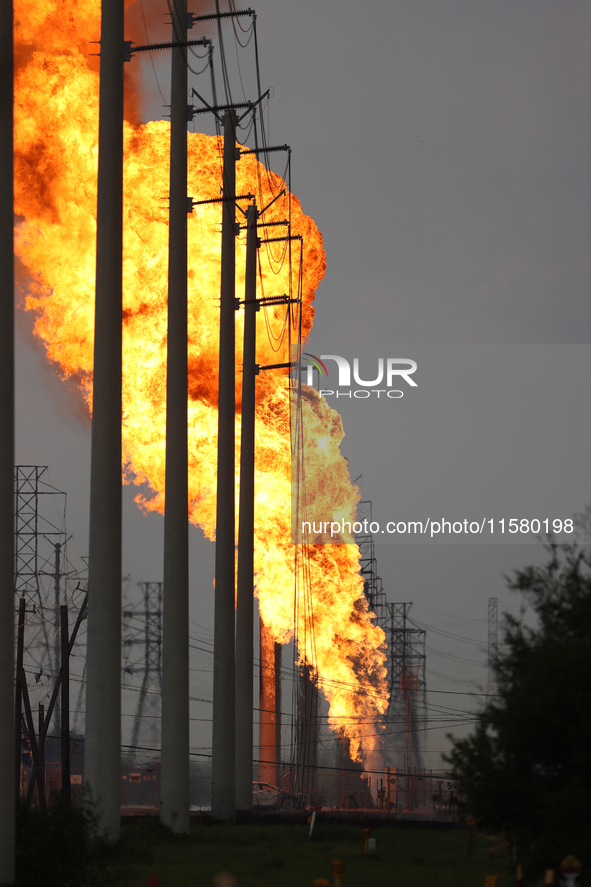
pixel 526 769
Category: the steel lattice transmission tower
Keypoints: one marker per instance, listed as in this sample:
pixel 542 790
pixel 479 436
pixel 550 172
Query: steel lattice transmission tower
pixel 143 629
pixel 493 640
pixel 41 568
pixel 372 583
pixel 409 690
pixel 406 654
pixel 35 533
pixel 406 716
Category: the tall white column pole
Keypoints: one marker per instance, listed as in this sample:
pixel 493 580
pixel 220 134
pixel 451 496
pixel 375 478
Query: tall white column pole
pixel 175 648
pixel 102 753
pixel 223 788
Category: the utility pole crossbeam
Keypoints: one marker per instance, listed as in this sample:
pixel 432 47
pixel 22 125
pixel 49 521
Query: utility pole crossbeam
pixel 268 150
pixel 175 648
pixel 278 239
pixel 129 47
pixel 212 16
pixel 223 733
pixel 215 109
pixel 235 198
pixel 102 757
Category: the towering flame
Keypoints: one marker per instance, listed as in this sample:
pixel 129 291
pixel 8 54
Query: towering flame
pixel 56 149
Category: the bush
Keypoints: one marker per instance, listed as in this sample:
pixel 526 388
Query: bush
pixel 57 849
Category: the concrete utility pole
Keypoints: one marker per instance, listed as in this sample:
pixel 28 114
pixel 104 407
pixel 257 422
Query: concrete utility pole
pixel 223 789
pixel 102 757
pixel 244 596
pixel 7 787
pixel 175 648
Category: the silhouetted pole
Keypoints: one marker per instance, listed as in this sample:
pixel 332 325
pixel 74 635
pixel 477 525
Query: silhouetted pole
pixel 41 746
pixel 102 753
pixel 7 786
pixel 244 596
pixel 223 788
pixel 32 738
pixel 57 618
pixel 267 710
pixel 20 645
pixel 65 658
pixel 175 640
pixel 278 649
pixel 307 733
pixel 55 694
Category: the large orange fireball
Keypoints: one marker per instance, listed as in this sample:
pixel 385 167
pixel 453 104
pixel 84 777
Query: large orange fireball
pixel 55 194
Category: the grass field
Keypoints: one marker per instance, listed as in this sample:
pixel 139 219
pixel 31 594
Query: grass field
pixel 284 856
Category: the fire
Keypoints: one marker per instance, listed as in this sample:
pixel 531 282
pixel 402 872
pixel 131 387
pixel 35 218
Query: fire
pixel 56 147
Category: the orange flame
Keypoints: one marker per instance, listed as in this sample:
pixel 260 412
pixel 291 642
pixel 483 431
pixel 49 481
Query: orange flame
pixel 56 148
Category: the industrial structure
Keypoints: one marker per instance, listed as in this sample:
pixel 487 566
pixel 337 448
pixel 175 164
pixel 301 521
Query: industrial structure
pixel 43 573
pixel 406 719
pixel 160 629
pixel 51 613
pixel 142 631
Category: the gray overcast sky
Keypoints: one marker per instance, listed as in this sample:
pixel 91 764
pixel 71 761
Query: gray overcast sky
pixel 442 147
